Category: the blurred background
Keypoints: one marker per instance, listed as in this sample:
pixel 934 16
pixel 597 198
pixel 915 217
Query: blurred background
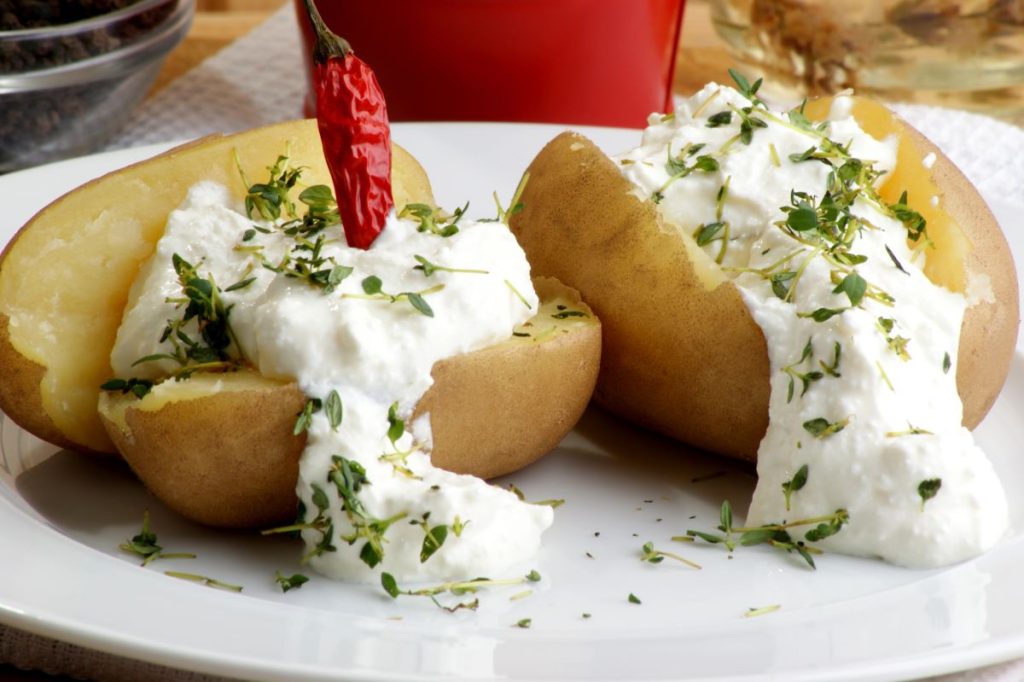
pixel 70 86
pixel 958 53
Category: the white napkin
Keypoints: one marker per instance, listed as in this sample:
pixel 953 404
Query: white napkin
pixel 259 79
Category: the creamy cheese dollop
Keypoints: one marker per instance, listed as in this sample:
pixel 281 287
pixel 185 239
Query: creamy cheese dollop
pixel 878 427
pixel 376 353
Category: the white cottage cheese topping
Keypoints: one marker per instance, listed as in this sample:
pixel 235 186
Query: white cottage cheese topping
pixel 878 427
pixel 374 353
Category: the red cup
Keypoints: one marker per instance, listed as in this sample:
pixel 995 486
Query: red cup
pixel 597 62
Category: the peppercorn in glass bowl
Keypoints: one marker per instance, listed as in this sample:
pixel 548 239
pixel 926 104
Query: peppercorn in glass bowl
pixel 71 72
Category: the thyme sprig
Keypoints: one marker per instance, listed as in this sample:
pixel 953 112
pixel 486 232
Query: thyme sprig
pixel 321 523
pixel 397 458
pixel 896 343
pixel 434 220
pixel 203 302
pixel 144 544
pixel 819 427
pixel 456 588
pixel 140 388
pixel 270 199
pixel 291 582
pixel 684 164
pixel 775 535
pixel 651 555
pixel 806 378
pixel 515 205
pixel 428 269
pixel 349 477
pixel 204 580
pixel 433 536
pixel 373 289
pixel 795 484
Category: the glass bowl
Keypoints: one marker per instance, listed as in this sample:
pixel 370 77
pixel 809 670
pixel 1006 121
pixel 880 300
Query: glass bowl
pixel 957 53
pixel 64 89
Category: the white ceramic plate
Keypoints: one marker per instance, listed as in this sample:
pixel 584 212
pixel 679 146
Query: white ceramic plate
pixel 64 515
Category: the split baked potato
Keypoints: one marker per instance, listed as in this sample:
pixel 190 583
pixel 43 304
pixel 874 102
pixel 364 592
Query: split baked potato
pixel 64 283
pixel 682 354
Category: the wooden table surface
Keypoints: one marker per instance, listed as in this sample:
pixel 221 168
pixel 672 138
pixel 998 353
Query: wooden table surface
pixel 702 56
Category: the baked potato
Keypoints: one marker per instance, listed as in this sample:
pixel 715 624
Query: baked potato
pixel 65 280
pixel 547 371
pixel 682 354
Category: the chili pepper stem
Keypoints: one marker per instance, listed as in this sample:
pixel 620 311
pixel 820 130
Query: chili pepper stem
pixel 328 43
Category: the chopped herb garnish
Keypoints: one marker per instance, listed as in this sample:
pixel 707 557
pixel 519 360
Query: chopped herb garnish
pixel 291 582
pixel 144 544
pixel 928 488
pixel 428 268
pixel 334 409
pixel 204 580
pixel 348 477
pixel 761 610
pixel 633 599
pixel 794 484
pixel 140 388
pixel 433 220
pixel 774 535
pixel 373 290
pixel 806 378
pixel 651 555
pixel 722 118
pixel 458 589
pixel 823 428
pixel 305 418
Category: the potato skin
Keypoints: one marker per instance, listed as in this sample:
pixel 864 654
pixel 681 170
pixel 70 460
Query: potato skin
pixel 582 224
pixel 65 276
pixel 229 459
pixel 514 401
pixel 682 355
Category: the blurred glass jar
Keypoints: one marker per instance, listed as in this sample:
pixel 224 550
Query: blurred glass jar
pixel 959 53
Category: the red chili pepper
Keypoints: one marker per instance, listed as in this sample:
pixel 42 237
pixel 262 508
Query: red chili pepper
pixel 353 121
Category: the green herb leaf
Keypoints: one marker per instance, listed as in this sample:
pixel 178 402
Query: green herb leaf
pixel 389 584
pixel 722 118
pixel 396 426
pixel 334 409
pixel 432 541
pixel 305 418
pixel 822 314
pixel 241 284
pixel 420 304
pixel 854 286
pixel 633 599
pixel 823 428
pixel 290 582
pixel 794 484
pixel 928 488
pixel 708 232
pixel 803 218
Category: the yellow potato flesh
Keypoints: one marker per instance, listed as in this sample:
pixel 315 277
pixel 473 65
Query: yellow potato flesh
pixel 968 248
pixel 219 448
pixel 681 353
pixel 65 277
